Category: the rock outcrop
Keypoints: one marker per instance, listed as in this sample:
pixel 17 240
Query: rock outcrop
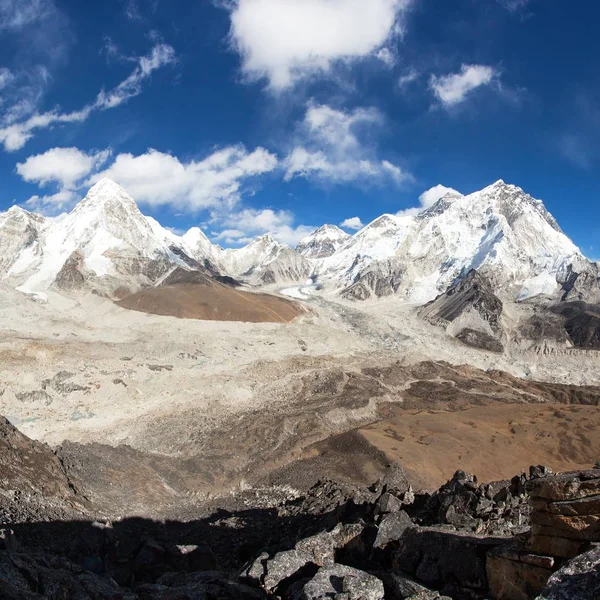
pixel 470 311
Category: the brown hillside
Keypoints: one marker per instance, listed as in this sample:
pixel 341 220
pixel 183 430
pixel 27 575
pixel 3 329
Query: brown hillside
pixel 201 297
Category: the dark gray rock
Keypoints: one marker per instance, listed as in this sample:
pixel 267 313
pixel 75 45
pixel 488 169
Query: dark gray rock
pixel 399 586
pixel 340 582
pixel 436 557
pixel 578 579
pixel 392 528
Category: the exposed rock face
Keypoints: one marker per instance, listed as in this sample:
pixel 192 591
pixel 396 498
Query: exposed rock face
pixel 581 321
pixel 516 574
pixel 32 480
pixel 565 518
pixel 73 274
pixel 323 242
pixel 581 281
pixel 379 280
pixel 474 310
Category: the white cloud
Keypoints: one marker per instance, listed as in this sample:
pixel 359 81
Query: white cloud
pixel 242 226
pixel 407 78
pixel 286 41
pixel 161 55
pixel 65 166
pixel 15 14
pixel 6 77
pixel 454 88
pixel 15 134
pixel 353 223
pixel 330 148
pixel 428 198
pixel 160 179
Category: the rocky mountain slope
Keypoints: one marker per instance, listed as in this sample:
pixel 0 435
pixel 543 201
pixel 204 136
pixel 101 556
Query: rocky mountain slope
pixel 323 242
pixel 503 233
pixel 507 540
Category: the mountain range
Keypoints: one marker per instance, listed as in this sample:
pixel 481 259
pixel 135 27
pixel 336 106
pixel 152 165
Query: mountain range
pixel 106 244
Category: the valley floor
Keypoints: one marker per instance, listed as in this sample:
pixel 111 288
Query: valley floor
pixel 220 401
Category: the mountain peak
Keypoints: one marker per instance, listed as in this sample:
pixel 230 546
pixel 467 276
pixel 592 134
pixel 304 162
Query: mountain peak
pixel 322 242
pixel 107 193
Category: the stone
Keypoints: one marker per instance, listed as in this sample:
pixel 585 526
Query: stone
pixel 569 508
pixel 435 556
pixel 322 546
pixel 580 527
pixel 340 582
pixel 305 558
pixel 555 546
pixel 579 578
pixel 515 574
pixel 392 528
pixel 568 486
pixel 388 503
pixel 399 586
pixel 286 565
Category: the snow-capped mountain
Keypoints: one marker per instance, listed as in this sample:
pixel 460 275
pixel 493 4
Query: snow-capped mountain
pixel 499 231
pixel 266 261
pixel 377 241
pixel 508 237
pixel 323 242
pixel 20 233
pixel 112 240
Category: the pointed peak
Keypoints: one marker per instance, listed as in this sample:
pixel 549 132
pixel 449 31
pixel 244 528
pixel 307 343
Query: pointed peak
pixel 15 209
pixel 106 185
pixel 194 235
pixel 106 191
pixel 266 238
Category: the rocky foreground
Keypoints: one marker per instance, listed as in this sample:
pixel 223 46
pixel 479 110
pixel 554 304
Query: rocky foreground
pixel 535 536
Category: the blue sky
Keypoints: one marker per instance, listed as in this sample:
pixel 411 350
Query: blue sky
pixel 247 116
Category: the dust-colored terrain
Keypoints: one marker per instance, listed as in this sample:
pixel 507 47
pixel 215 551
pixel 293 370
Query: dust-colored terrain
pixel 211 300
pixel 494 441
pixel 208 406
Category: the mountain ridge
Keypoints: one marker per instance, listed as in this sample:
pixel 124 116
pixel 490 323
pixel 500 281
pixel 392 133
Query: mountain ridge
pixel 500 231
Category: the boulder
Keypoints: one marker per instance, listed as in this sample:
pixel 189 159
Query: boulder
pixel 555 546
pixel 579 578
pixel 436 556
pixel 569 508
pixel 392 528
pixel 399 586
pixel 340 582
pixel 568 486
pixel 516 574
pixel 304 559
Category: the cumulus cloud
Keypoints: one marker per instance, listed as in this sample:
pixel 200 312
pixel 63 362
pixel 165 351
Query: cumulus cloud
pixel 428 198
pixel 65 166
pixel 454 88
pixel 285 41
pixel 14 133
pixel 353 223
pixel 158 179
pixel 331 149
pixel 244 225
